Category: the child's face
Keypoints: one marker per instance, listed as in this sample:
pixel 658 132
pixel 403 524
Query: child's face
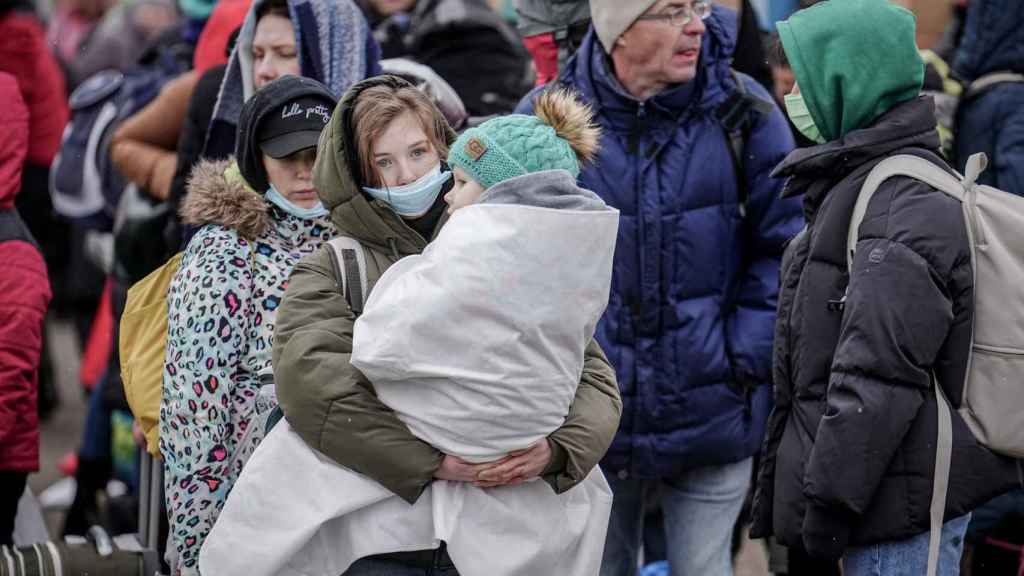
pixel 465 191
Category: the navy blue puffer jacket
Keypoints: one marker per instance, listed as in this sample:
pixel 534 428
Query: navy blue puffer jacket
pixel 690 318
pixel 993 122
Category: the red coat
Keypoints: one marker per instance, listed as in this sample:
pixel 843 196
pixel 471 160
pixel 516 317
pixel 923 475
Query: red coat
pixel 211 48
pixel 24 55
pixel 24 296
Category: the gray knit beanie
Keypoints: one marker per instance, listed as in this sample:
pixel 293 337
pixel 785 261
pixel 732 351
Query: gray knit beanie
pixel 613 17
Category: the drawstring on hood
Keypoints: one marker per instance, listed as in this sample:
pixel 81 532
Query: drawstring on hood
pixel 854 60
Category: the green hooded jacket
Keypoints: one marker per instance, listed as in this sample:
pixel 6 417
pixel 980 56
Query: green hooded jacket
pixel 854 60
pixel 331 405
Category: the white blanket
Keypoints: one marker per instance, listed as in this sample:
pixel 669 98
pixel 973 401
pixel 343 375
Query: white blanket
pixel 477 344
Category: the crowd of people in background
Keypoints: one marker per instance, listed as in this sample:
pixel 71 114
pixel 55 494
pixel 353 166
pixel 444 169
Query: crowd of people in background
pixel 757 362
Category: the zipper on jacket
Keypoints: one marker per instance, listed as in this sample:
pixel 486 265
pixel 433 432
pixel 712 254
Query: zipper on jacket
pixel 637 306
pixel 840 304
pixel 639 127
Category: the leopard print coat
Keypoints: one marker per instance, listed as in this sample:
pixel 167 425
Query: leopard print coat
pixel 222 305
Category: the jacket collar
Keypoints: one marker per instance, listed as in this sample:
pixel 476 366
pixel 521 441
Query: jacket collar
pixel 217 194
pixel 813 171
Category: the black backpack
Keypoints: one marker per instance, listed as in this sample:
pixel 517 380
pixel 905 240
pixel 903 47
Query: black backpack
pixel 84 185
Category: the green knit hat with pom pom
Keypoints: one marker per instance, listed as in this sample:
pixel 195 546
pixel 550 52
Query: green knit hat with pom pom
pixel 560 137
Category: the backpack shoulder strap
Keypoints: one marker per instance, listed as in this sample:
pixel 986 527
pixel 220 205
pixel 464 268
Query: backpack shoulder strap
pixel 902 165
pixel 982 84
pixel 350 267
pixel 735 116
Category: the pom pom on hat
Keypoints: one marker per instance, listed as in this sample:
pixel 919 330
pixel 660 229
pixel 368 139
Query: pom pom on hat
pixel 561 136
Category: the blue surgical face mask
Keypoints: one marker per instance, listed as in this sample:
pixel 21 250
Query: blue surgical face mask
pixel 414 199
pixel 285 204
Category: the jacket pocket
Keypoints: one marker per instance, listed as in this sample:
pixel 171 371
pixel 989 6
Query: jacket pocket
pixel 992 399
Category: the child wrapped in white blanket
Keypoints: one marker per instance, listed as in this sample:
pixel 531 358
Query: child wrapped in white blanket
pixel 477 345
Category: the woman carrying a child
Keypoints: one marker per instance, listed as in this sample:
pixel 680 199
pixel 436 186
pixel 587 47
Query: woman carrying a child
pixel 224 297
pixel 382 174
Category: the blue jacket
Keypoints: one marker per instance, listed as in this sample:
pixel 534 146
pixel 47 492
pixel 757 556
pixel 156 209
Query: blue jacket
pixel 993 122
pixel 692 308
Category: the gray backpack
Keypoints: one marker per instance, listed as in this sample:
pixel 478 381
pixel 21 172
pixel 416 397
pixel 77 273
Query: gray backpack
pixel 349 264
pixel 993 393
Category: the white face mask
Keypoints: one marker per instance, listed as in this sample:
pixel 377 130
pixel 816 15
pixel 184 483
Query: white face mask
pixel 279 200
pixel 414 199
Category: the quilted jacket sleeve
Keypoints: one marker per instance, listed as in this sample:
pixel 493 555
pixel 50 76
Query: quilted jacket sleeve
pixel 897 316
pixel 771 222
pixel 593 419
pixel 329 403
pixel 208 314
pixel 24 283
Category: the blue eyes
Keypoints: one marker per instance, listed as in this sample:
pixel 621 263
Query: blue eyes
pixel 415 154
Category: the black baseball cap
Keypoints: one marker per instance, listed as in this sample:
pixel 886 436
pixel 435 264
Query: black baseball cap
pixel 294 126
pixel 265 119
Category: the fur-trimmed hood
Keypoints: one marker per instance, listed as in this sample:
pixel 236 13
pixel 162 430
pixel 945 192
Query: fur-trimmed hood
pixel 217 194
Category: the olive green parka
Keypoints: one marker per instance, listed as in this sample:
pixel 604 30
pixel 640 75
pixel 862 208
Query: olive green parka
pixel 330 404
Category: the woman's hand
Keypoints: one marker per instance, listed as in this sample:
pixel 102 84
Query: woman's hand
pixel 517 467
pixel 458 470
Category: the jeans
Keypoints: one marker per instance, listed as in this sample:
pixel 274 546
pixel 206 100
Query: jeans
pixel 909 557
pixel 700 506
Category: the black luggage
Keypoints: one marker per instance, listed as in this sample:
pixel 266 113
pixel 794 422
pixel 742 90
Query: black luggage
pixel 99 554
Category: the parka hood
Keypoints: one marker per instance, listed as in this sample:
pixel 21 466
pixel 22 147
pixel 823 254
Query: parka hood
pixel 854 60
pixel 334 46
pixel 814 170
pixel 337 180
pixel 217 194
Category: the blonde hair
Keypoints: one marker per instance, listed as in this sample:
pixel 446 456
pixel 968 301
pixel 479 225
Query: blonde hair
pixel 376 107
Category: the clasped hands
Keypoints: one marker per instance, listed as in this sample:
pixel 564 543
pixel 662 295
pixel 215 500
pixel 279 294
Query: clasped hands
pixel 516 468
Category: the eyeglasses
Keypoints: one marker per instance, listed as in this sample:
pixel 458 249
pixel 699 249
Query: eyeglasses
pixel 682 16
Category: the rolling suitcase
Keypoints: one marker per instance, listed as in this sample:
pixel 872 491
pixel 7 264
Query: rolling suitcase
pixel 99 554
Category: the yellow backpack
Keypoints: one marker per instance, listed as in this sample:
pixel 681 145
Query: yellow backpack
pixel 142 344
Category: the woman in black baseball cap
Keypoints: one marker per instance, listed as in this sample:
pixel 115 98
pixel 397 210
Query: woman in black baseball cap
pixel 278 130
pixel 257 216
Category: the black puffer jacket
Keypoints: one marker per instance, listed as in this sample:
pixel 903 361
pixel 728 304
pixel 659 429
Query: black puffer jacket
pixel 849 454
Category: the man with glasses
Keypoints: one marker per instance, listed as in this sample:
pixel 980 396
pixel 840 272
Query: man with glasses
pixel 686 154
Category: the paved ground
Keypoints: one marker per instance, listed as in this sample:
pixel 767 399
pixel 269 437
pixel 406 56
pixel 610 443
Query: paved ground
pixel 60 435
pixel 61 432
